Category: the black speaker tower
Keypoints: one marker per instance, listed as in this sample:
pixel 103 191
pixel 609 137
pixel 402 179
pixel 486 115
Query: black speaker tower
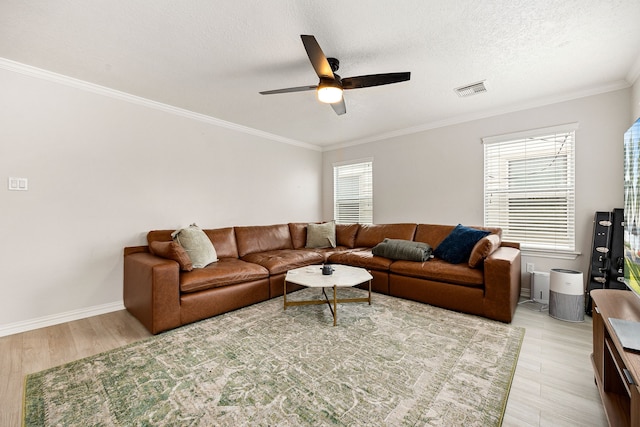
pixel 607 254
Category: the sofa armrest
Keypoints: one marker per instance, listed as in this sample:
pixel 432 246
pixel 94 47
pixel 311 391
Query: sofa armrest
pixel 502 274
pixel 152 290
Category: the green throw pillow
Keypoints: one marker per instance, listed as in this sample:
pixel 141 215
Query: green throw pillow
pixel 197 244
pixel 321 235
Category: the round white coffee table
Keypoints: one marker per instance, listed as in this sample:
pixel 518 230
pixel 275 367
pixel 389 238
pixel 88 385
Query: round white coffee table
pixel 312 277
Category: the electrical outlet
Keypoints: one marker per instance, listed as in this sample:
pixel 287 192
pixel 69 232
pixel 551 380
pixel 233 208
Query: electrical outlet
pixel 530 267
pixel 18 184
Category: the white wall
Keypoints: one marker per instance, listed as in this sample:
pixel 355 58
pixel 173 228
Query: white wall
pixel 102 172
pixel 436 176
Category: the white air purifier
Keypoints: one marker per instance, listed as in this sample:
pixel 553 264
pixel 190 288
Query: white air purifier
pixel 540 287
pixel 566 295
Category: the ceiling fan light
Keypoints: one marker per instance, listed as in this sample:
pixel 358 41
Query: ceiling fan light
pixel 329 93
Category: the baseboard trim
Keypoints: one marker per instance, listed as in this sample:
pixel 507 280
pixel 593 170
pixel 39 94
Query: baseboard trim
pixel 56 319
pixel 83 313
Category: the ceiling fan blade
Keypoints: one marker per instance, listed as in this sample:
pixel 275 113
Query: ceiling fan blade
pixel 317 57
pixel 374 80
pixel 289 90
pixel 339 107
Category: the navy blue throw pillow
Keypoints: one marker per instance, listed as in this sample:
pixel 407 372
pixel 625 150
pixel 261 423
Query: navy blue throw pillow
pixel 457 246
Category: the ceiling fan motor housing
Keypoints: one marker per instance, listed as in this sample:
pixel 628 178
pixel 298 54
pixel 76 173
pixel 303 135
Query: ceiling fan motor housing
pixel 334 64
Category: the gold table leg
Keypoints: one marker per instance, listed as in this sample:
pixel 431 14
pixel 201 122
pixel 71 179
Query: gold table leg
pixel 285 294
pixel 335 306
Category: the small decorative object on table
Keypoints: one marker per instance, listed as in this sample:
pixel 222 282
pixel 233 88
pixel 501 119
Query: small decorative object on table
pixel 327 270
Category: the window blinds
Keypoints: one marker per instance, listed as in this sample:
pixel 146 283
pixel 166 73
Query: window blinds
pixel 529 187
pixel 353 193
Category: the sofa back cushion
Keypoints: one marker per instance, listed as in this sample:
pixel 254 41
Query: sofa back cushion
pixel 298 231
pixel 485 247
pixel 434 234
pixel 262 238
pixel 223 239
pixel 159 236
pixel 173 251
pixel 370 235
pixel 346 234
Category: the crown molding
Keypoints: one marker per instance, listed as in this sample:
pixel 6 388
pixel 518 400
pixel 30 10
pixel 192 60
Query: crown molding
pixel 28 70
pixel 610 87
pixel 42 74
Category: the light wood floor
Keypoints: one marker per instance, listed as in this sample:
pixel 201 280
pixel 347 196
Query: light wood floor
pixel 553 384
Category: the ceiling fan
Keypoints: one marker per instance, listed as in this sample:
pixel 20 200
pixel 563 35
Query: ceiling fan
pixel 329 88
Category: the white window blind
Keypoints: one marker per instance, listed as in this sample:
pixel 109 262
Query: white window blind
pixel 353 192
pixel 529 187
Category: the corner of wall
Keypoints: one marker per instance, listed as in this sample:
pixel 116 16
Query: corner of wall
pixel 635 95
pixel 635 100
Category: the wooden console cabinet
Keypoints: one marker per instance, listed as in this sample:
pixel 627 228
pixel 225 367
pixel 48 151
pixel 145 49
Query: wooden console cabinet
pixel 617 371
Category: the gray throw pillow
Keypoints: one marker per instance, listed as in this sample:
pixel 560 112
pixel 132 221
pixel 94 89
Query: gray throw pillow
pixel 398 249
pixel 321 235
pixel 197 244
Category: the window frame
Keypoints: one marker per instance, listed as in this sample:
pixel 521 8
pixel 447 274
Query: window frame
pixel 364 197
pixel 542 241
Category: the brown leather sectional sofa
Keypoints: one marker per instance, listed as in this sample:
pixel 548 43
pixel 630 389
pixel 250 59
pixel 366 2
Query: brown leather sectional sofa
pixel 253 261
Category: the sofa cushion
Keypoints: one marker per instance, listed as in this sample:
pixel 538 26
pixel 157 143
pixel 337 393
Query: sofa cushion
pixel 282 260
pixel 485 247
pixel 262 238
pixel 434 234
pixel 159 236
pixel 298 231
pixel 197 244
pixel 327 252
pixel 457 246
pixel 402 249
pixel 224 240
pixel 346 234
pixel 361 258
pixel 172 250
pixel 227 271
pixel 440 271
pixel 321 235
pixel 370 235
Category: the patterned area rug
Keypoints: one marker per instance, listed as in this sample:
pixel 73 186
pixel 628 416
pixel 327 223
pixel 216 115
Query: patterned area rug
pixel 396 362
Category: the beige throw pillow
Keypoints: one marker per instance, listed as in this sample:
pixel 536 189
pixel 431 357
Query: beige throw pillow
pixel 321 235
pixel 197 244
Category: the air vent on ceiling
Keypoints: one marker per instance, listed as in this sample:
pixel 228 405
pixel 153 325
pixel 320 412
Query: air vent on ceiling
pixel 472 89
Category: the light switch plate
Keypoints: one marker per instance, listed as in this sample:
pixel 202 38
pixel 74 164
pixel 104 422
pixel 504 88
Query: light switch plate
pixel 18 184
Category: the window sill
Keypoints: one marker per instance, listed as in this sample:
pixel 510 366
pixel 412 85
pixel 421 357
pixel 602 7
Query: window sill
pixel 548 253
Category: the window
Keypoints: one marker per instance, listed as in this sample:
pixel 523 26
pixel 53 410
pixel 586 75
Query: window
pixel 353 192
pixel 529 187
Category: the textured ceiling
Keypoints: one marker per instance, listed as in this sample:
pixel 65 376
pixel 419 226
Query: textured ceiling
pixel 213 57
